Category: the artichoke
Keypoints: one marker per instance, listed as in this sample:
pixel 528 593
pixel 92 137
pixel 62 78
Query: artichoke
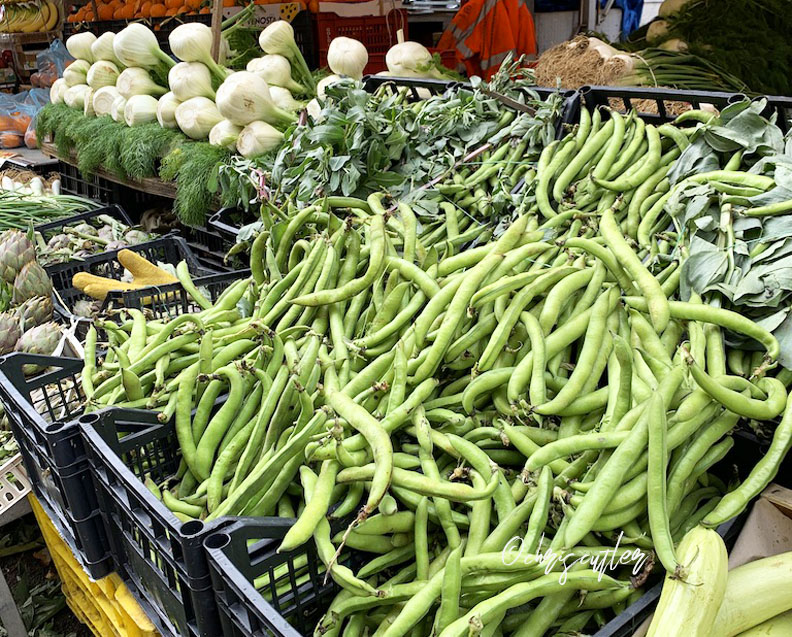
pixel 42 339
pixel 16 250
pixel 86 228
pixel 9 332
pixel 59 242
pixel 31 281
pixel 133 237
pixel 86 309
pixel 34 312
pixel 106 232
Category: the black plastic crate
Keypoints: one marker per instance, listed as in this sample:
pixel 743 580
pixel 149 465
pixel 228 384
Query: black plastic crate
pixel 42 412
pixel 246 549
pixel 625 98
pixel 226 222
pixel 160 558
pixel 103 190
pixel 160 299
pixel 209 247
pixel 51 228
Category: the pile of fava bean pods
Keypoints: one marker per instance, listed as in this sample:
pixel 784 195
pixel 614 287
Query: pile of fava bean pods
pixel 448 414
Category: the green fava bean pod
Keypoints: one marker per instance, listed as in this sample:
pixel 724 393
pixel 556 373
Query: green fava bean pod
pixel 761 475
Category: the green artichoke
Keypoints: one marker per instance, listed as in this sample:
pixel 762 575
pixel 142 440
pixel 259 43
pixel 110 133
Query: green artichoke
pixel 34 312
pixel 16 250
pixel 31 281
pixel 9 332
pixel 42 339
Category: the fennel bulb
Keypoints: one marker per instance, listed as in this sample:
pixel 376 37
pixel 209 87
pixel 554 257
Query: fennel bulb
pixel 244 97
pixel 278 39
pixel 314 109
pixel 197 116
pixel 321 88
pixel 136 45
pixel 258 138
pixel 190 79
pixel 346 56
pixel 137 81
pixel 79 45
pixel 117 109
pixel 103 100
pixel 102 73
pixel 88 109
pixel 58 90
pixel 75 96
pixel 76 73
pixel 275 70
pixel 411 59
pixel 166 111
pixel 282 98
pixel 140 109
pixel 192 42
pixel 225 134
pixel 102 48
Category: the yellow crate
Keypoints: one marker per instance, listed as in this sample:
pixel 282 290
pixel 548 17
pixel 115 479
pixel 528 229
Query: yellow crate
pixel 106 605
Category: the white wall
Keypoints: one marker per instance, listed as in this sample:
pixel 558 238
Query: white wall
pixel 650 10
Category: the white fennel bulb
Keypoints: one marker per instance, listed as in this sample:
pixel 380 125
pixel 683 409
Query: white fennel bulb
pixel 76 73
pixel 75 96
pixel 166 111
pixel 278 39
pixel 102 48
pixel 347 56
pixel 674 44
pixel 275 70
pixel 102 73
pixel 140 109
pixel 192 42
pixel 136 45
pixel 225 134
pixel 321 88
pixel 258 138
pixel 282 98
pixel 411 59
pixel 79 45
pixel 58 90
pixel 137 81
pixel 103 99
pixel 117 109
pixel 190 79
pixel 314 109
pixel 244 97
pixel 197 116
pixel 88 109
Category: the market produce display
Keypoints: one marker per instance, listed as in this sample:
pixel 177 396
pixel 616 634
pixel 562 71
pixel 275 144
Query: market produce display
pixel 750 600
pixel 732 34
pixel 29 17
pixel 23 205
pixel 129 120
pixel 97 234
pixel 26 309
pixel 421 389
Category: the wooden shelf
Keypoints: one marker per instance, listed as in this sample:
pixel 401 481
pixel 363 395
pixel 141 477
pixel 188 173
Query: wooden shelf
pixel 150 185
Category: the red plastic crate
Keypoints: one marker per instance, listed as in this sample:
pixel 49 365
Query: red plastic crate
pixel 447 57
pixel 377 33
